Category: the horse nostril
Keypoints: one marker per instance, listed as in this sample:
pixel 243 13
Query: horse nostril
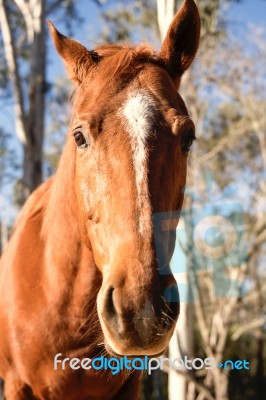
pixel 110 308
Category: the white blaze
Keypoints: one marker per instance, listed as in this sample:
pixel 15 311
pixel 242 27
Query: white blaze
pixel 137 114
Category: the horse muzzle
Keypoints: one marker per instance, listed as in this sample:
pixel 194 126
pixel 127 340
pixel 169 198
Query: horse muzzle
pixel 131 327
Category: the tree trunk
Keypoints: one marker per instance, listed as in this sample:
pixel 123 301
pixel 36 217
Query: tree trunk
pixel 220 385
pixel 29 120
pixel 165 15
pixel 177 385
pixel 32 165
pixel 4 232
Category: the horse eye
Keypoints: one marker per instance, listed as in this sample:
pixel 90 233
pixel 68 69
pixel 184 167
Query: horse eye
pixel 187 141
pixel 80 140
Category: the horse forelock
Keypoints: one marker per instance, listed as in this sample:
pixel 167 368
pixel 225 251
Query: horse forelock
pixel 116 59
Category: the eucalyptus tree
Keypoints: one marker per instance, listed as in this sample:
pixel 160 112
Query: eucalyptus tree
pixel 23 36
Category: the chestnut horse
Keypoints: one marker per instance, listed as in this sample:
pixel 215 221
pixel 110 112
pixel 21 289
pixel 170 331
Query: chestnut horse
pixel 80 273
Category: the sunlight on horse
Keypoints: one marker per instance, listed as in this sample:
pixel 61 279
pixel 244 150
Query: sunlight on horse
pixel 80 273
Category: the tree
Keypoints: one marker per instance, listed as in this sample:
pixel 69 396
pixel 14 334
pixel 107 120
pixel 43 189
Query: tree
pixel 233 148
pixel 23 34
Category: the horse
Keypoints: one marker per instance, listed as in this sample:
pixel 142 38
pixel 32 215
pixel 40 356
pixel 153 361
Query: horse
pixel 80 276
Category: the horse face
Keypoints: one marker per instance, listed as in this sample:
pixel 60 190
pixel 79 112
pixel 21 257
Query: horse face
pixel 131 133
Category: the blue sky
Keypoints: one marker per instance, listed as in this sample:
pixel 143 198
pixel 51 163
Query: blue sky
pixel 241 15
pixel 250 11
pixel 247 11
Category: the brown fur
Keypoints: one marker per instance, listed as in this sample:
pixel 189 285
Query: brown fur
pixel 78 277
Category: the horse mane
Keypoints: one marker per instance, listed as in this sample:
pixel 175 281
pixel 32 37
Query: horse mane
pixel 61 203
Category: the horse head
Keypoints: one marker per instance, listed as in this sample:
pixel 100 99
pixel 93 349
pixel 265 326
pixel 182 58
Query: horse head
pixel 131 134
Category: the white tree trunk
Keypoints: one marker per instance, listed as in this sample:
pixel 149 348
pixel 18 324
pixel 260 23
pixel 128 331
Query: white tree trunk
pixel 181 345
pixel 4 235
pixel 181 342
pixel 12 64
pixel 30 122
pixel 177 385
pixel 165 14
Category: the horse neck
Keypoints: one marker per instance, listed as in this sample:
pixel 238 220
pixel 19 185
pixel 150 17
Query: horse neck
pixel 67 260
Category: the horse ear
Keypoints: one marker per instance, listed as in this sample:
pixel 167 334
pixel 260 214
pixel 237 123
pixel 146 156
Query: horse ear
pixel 76 57
pixel 182 39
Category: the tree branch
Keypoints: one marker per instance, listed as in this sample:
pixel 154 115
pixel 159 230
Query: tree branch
pixel 190 378
pixel 25 10
pixel 258 323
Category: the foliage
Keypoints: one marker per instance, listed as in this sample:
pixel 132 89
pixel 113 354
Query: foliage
pixel 8 164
